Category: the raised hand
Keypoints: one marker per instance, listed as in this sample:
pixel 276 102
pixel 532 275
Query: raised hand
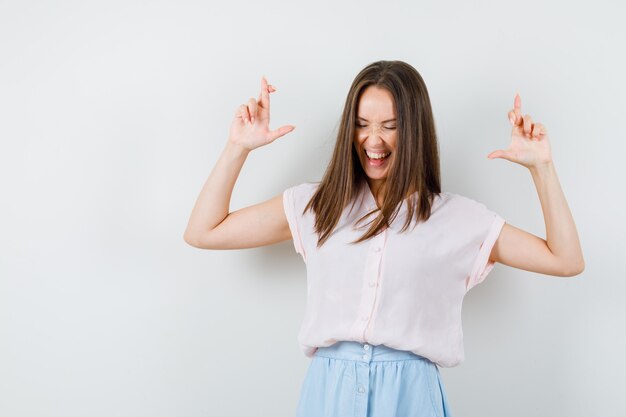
pixel 529 141
pixel 250 126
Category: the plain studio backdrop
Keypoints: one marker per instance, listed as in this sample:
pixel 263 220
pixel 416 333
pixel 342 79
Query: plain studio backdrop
pixel 113 113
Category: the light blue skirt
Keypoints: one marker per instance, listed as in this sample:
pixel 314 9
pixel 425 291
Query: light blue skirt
pixel 351 379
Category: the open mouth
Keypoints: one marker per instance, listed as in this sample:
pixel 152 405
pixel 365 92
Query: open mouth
pixel 376 159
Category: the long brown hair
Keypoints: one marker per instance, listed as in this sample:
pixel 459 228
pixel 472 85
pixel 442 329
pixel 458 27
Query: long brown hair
pixel 415 167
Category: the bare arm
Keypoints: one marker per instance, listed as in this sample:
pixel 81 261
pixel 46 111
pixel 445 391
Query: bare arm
pixel 560 253
pixel 211 225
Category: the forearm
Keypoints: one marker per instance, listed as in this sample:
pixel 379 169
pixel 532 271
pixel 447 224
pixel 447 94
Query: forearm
pixel 561 234
pixel 212 205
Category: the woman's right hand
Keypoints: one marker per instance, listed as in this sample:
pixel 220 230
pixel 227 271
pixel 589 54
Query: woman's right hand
pixel 250 126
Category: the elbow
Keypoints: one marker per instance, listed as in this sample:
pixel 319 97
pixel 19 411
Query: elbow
pixel 200 240
pixel 574 268
pixel 190 239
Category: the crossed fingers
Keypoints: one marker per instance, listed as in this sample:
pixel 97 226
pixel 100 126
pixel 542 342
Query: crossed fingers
pixel 248 111
pixel 525 123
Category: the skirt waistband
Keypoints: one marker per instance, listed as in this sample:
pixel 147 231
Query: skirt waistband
pixel 364 352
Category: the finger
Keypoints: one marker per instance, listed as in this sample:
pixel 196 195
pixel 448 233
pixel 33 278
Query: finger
pixel 243 110
pixel 271 89
pixel 517 108
pixel 264 97
pixel 511 116
pixel 500 153
pixel 517 102
pixel 528 124
pixel 252 106
pixel 539 130
pixel 283 130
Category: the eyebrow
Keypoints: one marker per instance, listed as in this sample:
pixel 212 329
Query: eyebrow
pixel 384 121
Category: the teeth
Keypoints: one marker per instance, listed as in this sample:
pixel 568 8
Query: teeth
pixel 377 155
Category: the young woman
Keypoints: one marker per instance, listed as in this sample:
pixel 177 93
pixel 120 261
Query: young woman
pixel 384 297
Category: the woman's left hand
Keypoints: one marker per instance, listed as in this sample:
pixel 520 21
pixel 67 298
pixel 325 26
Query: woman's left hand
pixel 529 141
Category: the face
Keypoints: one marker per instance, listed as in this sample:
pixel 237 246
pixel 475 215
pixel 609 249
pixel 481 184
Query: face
pixel 376 134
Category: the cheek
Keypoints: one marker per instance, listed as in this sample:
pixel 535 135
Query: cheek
pixel 393 141
pixel 356 148
pixel 357 144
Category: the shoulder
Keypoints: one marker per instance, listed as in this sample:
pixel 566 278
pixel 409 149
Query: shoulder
pixel 309 187
pixel 305 189
pixel 299 195
pixel 464 206
pixel 460 199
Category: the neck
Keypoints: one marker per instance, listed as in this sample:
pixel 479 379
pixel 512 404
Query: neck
pixel 378 191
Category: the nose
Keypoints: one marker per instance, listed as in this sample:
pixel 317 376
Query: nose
pixel 371 130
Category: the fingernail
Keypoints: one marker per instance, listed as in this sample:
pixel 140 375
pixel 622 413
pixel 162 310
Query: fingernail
pixel 252 120
pixel 512 119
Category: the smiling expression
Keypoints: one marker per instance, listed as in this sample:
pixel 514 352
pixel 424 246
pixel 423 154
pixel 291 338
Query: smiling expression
pixel 376 134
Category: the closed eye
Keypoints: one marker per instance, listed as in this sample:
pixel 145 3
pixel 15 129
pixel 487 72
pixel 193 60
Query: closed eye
pixel 385 127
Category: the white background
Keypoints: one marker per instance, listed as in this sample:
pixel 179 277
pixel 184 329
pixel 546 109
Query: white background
pixel 113 113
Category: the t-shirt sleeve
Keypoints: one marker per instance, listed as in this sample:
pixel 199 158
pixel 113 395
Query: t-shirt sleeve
pixel 293 211
pixel 487 227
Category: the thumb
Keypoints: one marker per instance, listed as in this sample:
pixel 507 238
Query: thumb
pixel 281 131
pixel 500 153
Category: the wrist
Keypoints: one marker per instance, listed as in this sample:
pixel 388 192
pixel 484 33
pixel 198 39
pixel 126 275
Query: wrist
pixel 542 168
pixel 236 149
